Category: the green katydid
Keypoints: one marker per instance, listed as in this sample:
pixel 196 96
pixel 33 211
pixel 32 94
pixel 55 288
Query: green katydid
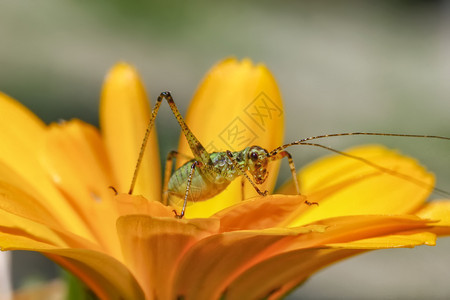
pixel 208 174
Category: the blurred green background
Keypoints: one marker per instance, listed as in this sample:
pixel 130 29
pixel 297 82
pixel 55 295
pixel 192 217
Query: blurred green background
pixel 380 66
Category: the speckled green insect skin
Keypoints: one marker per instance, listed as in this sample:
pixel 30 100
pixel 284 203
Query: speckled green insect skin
pixel 207 184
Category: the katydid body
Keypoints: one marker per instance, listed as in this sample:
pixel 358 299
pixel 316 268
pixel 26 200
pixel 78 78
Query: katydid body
pixel 208 174
pixel 225 167
pixel 204 185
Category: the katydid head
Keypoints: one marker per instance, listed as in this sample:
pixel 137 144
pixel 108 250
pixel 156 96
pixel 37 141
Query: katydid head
pixel 257 159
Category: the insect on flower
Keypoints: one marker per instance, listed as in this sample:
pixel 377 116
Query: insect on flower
pixel 208 174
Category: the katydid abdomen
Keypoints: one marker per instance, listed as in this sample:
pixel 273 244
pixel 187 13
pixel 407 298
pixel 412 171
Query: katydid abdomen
pixel 203 186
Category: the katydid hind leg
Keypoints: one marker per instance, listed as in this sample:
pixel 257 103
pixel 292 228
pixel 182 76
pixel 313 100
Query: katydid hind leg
pixel 197 148
pixel 199 152
pixel 188 187
pixel 144 143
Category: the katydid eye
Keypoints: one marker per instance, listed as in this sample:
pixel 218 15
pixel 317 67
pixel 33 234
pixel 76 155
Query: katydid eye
pixel 254 156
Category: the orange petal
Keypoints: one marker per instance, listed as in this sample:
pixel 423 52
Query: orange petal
pixel 106 276
pixel 345 186
pixel 237 105
pixel 124 114
pixel 274 277
pixel 348 229
pixel 214 262
pixel 438 210
pixel 133 205
pixel 153 246
pixel 352 228
pixel 258 212
pixel 75 158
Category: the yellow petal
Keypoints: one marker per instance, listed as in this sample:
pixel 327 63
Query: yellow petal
pixel 21 134
pixel 237 105
pixel 15 201
pixel 19 156
pixel 24 215
pixel 405 240
pixel 22 227
pixel 106 276
pixel 75 158
pixel 345 186
pixel 124 115
pixel 258 212
pixel 153 246
pixel 438 210
pixel 30 205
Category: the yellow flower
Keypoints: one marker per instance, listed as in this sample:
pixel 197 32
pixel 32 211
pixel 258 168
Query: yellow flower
pixel 55 198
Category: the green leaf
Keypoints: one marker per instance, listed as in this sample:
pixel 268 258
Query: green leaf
pixel 76 289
